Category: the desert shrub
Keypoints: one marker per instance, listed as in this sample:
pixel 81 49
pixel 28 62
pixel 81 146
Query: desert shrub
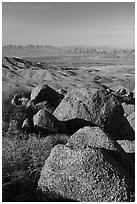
pixel 23 155
pixel 22 161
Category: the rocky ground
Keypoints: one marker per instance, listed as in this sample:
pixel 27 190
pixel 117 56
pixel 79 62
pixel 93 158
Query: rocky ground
pixel 69 128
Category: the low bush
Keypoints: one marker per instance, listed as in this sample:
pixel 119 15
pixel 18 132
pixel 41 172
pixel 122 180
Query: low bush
pixel 22 161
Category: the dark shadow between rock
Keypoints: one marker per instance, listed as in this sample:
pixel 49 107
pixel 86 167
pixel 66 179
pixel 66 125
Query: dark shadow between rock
pixel 132 156
pixel 75 124
pixel 26 193
pixel 51 197
pixel 19 191
pixel 42 131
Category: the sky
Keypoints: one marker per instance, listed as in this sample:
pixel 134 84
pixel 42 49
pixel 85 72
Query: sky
pixel 110 24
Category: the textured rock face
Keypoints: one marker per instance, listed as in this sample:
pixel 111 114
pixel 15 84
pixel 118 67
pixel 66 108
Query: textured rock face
pixel 89 174
pixel 46 123
pixel 90 167
pixel 93 136
pixel 127 145
pixel 45 93
pixel 94 105
pixel 128 109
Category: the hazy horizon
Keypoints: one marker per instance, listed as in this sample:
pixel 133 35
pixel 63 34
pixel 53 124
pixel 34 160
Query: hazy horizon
pixel 98 24
pixel 71 46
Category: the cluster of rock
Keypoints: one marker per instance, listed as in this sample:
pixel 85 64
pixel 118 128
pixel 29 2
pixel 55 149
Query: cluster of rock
pixel 94 165
pixel 38 111
pixel 125 96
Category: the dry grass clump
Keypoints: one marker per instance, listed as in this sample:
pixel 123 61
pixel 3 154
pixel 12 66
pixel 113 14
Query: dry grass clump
pixel 22 161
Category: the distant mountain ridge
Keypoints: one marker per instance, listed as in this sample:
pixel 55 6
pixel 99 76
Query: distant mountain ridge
pixel 49 49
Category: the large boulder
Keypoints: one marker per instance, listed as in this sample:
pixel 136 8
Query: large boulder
pixel 45 122
pixel 91 167
pixel 97 106
pixel 95 137
pixel 45 93
pixel 88 175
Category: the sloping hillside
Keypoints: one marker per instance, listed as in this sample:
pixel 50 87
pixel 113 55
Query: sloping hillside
pixel 18 73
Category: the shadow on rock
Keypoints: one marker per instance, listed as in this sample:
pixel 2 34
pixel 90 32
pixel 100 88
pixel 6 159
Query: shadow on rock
pixel 125 131
pixel 122 159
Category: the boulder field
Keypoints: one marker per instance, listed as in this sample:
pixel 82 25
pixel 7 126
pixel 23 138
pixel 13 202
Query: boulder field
pixel 94 161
